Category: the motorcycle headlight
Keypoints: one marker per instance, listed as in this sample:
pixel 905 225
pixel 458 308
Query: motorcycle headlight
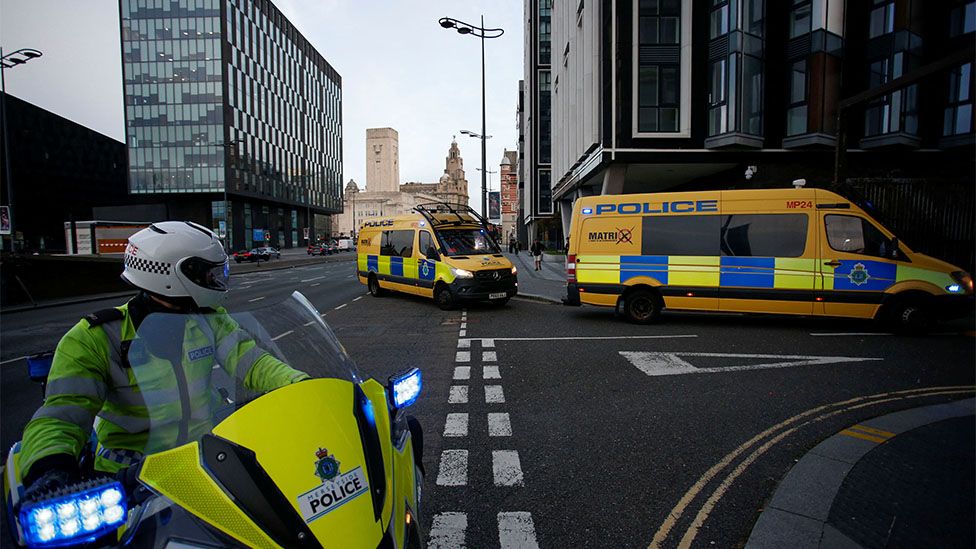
pixel 462 273
pixel 73 515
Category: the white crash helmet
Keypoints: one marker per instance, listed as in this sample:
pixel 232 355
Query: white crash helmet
pixel 178 259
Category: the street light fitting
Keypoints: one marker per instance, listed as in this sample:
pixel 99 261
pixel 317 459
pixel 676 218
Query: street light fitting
pixel 467 28
pixel 464 30
pixel 470 133
pixel 19 57
pixel 446 22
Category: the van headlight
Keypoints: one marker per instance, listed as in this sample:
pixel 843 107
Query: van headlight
pixel 964 283
pixel 461 273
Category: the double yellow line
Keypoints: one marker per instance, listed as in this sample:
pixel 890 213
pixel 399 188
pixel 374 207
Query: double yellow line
pixel 761 443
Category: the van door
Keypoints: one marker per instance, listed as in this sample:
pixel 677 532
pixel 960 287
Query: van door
pixel 426 263
pixel 768 262
pixel 855 264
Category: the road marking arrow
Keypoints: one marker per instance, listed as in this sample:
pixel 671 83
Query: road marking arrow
pixel 670 364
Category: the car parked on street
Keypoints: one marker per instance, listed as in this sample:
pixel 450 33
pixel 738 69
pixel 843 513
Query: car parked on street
pixel 266 253
pixel 242 255
pixel 316 249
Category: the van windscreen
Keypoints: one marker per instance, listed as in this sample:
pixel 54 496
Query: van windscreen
pixel 467 242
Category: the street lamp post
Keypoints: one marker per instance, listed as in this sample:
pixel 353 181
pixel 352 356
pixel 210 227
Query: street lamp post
pixel 226 204
pixel 480 32
pixel 10 61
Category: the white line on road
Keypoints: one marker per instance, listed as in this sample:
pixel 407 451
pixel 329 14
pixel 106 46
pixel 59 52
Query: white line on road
pixel 255 299
pixel 464 343
pixel 839 334
pixel 309 323
pixel 313 278
pixel 341 306
pixel 494 394
pixel 463 356
pixel 667 364
pixel 489 356
pixel 459 395
pixel 350 276
pixel 488 343
pixel 316 284
pixel 447 531
pixel 491 372
pixel 506 467
pixel 358 298
pixel 456 425
pixel 454 468
pixel 462 372
pixel 516 530
pixel 462 333
pixel 499 425
pixel 592 338
pixel 279 336
pixel 464 325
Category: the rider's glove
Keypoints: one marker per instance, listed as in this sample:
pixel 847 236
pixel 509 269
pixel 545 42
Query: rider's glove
pixel 49 474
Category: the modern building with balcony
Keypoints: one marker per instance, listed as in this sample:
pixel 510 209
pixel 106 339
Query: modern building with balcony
pixel 233 119
pixel 725 94
pixel 538 212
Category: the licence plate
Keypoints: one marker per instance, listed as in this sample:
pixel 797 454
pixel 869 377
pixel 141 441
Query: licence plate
pixel 498 295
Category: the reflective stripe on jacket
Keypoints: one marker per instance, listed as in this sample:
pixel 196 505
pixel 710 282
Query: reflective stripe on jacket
pixel 92 383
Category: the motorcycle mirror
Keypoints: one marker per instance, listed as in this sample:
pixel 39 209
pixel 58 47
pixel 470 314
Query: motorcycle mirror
pixel 74 514
pixel 403 388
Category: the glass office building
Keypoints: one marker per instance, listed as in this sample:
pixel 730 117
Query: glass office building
pixel 232 118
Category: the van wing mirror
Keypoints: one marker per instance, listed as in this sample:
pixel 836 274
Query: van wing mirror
pixel 432 254
pixel 895 252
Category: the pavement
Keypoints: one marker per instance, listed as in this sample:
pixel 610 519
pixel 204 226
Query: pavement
pixel 904 479
pixel 547 285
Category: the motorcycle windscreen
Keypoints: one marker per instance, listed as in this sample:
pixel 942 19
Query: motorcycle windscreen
pixel 194 370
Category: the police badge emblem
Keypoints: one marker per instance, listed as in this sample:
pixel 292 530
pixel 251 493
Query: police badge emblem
pixel 859 275
pixel 327 467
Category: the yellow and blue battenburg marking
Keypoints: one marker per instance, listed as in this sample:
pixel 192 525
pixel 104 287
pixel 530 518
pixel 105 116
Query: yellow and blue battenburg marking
pixel 402 267
pixel 864 275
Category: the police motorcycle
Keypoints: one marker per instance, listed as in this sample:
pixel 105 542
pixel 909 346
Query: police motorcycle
pixel 329 461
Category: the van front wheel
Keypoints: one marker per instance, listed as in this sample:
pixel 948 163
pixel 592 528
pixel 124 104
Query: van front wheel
pixel 374 286
pixel 909 316
pixel 444 297
pixel 642 307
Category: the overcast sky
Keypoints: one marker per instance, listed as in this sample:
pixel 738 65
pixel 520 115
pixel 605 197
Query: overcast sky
pixel 399 69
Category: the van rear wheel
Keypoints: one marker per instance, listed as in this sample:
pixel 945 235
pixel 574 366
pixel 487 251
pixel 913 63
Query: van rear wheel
pixel 642 307
pixel 374 286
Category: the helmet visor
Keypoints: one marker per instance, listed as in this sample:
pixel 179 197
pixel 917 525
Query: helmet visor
pixel 206 274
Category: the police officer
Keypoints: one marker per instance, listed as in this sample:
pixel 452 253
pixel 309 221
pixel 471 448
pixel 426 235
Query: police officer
pixel 180 267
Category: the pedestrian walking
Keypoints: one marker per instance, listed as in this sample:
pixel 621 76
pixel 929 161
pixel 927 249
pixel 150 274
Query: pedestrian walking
pixel 566 249
pixel 537 254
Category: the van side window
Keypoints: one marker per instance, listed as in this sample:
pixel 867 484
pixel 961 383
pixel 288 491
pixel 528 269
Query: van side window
pixel 847 233
pixel 764 235
pixel 426 243
pixel 397 243
pixel 680 235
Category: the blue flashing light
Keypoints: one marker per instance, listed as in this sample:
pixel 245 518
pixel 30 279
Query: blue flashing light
pixel 954 288
pixel 75 518
pixel 587 211
pixel 406 388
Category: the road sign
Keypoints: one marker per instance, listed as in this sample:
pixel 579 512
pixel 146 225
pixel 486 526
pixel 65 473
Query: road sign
pixel 672 364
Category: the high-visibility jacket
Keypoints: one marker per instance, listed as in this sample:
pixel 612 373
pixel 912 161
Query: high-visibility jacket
pixel 92 383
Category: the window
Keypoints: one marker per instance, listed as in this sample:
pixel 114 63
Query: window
pixel 718 108
pixel 800 18
pixel 397 243
pixel 658 81
pixel 680 235
pixel 545 116
pixel 764 235
pixel 958 117
pixel 426 243
pixel 545 31
pixel 846 233
pixel 962 20
pixel 895 112
pixel 796 115
pixel 545 192
pixel 718 19
pixel 882 19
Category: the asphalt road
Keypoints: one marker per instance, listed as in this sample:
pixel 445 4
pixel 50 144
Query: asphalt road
pixel 539 430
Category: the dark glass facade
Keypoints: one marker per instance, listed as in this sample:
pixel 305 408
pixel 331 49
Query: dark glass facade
pixel 227 96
